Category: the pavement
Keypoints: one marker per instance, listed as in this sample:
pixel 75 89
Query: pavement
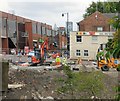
pixel 14 58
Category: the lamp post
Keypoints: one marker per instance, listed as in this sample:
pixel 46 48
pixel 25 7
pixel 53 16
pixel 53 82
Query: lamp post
pixel 67 33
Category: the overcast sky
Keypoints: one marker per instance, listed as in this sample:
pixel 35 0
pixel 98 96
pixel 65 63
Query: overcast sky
pixel 48 11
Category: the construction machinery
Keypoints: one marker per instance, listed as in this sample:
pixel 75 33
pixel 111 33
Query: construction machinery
pixel 38 55
pixel 54 55
pixel 104 62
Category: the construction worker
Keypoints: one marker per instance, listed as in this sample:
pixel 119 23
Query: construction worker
pixel 57 60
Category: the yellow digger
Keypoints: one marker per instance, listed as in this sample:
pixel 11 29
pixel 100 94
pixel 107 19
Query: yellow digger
pixel 104 62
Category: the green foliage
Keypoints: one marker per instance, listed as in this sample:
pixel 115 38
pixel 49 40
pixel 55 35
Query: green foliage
pixel 109 45
pixel 91 82
pixel 82 82
pixel 103 7
pixel 118 70
pixel 107 55
pixel 115 22
pixel 118 91
pixel 68 71
pixel 99 54
pixel 113 45
pixel 116 40
pixel 116 52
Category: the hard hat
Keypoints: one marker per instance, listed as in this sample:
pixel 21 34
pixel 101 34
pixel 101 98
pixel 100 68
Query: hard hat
pixel 57 56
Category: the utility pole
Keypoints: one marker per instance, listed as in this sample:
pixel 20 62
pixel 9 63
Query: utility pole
pixel 67 32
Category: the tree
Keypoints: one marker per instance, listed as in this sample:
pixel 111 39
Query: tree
pixel 103 7
pixel 115 22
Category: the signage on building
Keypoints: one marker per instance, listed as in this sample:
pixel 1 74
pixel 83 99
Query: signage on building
pixel 94 33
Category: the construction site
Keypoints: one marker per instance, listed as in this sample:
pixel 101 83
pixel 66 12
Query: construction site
pixel 51 81
pixel 39 62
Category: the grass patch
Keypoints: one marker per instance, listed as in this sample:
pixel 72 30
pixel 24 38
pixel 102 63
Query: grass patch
pixel 84 84
pixel 91 82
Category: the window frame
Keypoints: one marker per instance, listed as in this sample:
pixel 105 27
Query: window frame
pixel 78 52
pixel 78 39
pixel 86 53
pixel 99 29
pixel 94 38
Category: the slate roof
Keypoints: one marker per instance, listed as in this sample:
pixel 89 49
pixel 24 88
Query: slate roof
pixel 110 15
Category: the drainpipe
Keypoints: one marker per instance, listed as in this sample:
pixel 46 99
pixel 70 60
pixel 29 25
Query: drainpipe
pixel 1 34
pixel 7 50
pixel 17 38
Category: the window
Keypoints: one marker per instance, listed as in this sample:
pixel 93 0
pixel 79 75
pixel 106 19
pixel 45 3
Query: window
pixel 38 28
pixel 4 21
pixel 48 32
pixel 78 38
pixel 77 52
pixel 34 31
pixel 99 29
pixel 12 29
pixel 53 33
pixel 102 46
pixel 85 52
pixel 94 38
pixel 43 30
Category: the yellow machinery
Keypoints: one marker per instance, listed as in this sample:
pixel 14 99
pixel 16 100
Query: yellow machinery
pixel 104 63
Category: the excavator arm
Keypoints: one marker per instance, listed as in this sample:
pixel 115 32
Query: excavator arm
pixel 43 46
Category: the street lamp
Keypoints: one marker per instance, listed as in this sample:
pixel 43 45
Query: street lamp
pixel 67 34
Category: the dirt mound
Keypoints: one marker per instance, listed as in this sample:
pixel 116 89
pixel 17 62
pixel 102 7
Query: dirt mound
pixel 42 84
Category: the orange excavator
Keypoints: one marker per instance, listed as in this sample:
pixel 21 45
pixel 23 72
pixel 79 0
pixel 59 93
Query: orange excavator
pixel 38 56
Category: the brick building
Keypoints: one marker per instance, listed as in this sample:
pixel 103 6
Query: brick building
pixel 17 32
pixel 96 22
pixel 94 31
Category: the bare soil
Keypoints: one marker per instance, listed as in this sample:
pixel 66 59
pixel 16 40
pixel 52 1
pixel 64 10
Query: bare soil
pixel 42 84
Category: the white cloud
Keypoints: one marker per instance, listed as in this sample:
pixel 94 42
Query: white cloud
pixel 4 5
pixel 48 11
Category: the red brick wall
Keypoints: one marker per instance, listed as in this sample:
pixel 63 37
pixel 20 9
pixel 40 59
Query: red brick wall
pixel 20 19
pixel 36 36
pixel 62 38
pixel 5 45
pixel 28 29
pixel 4 15
pixel 90 23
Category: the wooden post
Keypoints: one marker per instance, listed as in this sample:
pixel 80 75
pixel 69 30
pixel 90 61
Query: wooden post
pixel 5 68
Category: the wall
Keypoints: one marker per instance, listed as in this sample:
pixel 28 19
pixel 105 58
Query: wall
pixel 86 44
pixel 5 45
pixel 91 22
pixel 28 27
pixel 62 41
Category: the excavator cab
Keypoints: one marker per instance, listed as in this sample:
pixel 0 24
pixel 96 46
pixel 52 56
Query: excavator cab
pixel 102 63
pixel 34 58
pixel 38 55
